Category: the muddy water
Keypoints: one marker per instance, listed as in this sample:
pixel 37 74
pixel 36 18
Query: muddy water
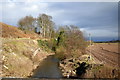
pixel 49 68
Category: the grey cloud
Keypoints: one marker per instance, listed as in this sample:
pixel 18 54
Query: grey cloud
pixel 88 15
pixel 93 14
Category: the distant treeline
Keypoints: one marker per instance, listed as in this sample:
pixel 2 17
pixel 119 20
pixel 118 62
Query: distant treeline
pixel 112 41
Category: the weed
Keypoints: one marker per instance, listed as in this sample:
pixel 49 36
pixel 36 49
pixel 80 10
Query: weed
pixel 45 45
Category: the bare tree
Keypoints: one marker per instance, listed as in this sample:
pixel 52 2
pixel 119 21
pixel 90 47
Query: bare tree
pixel 27 23
pixel 46 24
pixel 71 41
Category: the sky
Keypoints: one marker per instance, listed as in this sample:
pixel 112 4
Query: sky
pixel 100 19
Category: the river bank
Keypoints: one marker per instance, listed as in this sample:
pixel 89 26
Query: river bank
pixel 83 67
pixel 19 57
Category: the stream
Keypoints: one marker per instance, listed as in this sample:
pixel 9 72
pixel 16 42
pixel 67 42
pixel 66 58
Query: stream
pixel 48 68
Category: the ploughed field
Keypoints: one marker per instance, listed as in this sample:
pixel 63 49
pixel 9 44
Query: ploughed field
pixel 105 53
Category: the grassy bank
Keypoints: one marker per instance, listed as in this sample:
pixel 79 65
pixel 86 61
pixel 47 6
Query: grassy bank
pixel 20 57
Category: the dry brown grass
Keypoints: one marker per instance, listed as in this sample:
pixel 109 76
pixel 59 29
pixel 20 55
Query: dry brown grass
pixel 18 60
pixel 98 71
pixel 9 31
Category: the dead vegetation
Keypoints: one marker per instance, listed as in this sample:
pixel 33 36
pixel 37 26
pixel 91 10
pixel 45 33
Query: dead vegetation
pixel 20 48
pixel 106 54
pixel 19 56
pixel 9 31
pixel 18 59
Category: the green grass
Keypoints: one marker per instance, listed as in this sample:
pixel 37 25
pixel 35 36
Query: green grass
pixel 45 45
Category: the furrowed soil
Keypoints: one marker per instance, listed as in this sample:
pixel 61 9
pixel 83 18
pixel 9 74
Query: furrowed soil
pixel 102 63
pixel 106 54
pixel 20 55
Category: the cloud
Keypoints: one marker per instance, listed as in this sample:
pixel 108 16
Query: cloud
pixel 59 0
pixel 13 11
pixel 84 14
pixel 32 8
pixel 98 18
pixel 101 32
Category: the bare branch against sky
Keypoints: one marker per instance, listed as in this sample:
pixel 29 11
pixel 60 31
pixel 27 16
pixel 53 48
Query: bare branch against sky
pixel 98 17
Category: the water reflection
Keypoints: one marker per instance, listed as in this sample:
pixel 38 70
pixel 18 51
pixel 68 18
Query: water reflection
pixel 49 68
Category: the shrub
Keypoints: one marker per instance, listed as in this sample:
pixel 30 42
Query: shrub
pixel 70 42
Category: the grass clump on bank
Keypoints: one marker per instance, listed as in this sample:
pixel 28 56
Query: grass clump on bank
pixel 45 45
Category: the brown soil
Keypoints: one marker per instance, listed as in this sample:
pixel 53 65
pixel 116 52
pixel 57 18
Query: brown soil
pixel 103 62
pixel 106 54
